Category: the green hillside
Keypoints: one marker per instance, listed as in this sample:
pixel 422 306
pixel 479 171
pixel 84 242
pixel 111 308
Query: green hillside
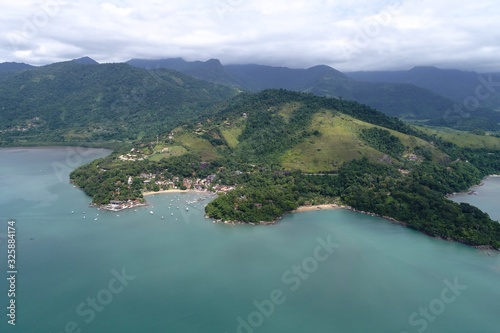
pixel 394 99
pixel 464 139
pixel 75 102
pixel 278 150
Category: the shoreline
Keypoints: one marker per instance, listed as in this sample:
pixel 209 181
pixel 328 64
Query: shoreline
pixel 337 206
pixel 149 193
pixel 310 208
pixel 472 189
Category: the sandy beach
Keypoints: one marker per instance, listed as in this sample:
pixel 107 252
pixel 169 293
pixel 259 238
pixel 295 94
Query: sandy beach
pixel 317 207
pixel 174 191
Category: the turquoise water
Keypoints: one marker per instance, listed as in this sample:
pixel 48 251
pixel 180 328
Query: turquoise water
pixel 486 198
pixel 184 274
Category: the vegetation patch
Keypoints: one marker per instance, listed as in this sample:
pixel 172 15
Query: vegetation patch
pixel 198 145
pixel 464 139
pixel 167 152
pixel 383 141
pixel 231 135
pixel 288 109
pixel 333 141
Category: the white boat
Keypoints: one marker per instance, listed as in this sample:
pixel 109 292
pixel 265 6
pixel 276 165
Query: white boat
pixel 151 212
pixel 187 208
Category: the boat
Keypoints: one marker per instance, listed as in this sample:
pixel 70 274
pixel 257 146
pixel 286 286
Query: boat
pixel 151 212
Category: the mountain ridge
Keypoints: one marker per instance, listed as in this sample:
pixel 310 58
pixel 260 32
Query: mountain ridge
pixel 455 84
pixel 99 102
pixel 402 99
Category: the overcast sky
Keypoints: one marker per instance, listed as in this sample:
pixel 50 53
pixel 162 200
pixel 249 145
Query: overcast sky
pixel 345 34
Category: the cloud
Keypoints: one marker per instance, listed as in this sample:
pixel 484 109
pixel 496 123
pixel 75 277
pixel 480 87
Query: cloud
pixel 348 35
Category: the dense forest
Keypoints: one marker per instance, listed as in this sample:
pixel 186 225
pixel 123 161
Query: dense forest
pixel 71 102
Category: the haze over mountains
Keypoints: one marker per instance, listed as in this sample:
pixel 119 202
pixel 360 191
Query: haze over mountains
pixel 109 97
pixel 421 93
pixel 451 83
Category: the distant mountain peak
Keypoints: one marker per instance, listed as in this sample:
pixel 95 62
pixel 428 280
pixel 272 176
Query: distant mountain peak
pixel 424 68
pixel 85 61
pixel 324 68
pixel 214 62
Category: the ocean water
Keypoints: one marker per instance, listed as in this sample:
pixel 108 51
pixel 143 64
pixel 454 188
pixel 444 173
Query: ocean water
pixel 486 197
pixel 133 271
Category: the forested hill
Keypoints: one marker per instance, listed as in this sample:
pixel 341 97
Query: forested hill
pixel 280 149
pixel 12 67
pixel 81 101
pixel 9 68
pixel 397 100
pixel 426 99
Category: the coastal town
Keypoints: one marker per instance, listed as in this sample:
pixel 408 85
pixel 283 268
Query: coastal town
pixel 155 184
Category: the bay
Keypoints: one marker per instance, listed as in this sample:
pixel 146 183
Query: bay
pixel 134 271
pixel 486 197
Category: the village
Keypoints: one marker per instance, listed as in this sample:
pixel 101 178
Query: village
pixel 154 184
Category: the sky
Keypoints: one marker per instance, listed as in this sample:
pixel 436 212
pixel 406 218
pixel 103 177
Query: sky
pixel 348 35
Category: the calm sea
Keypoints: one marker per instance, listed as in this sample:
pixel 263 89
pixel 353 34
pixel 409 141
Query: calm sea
pixel 485 197
pixel 172 270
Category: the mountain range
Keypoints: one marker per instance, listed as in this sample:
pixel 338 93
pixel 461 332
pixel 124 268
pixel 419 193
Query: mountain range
pixel 446 97
pixel 82 100
pixel 277 148
pixel 454 84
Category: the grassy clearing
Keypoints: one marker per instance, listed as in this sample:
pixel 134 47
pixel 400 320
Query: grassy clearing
pixel 168 152
pixel 197 145
pixel 337 143
pixel 411 142
pixel 463 139
pixel 231 135
pixel 288 109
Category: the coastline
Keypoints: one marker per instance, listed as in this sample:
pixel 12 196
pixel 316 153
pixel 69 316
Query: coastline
pixel 144 194
pixel 337 206
pixel 310 208
pixel 472 189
